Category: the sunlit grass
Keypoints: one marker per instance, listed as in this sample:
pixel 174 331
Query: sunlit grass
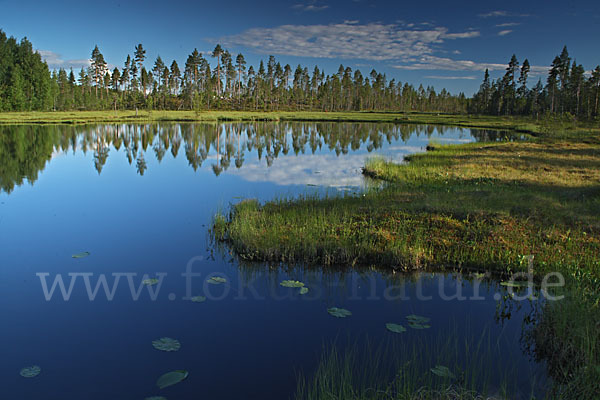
pixel 477 206
pixel 518 124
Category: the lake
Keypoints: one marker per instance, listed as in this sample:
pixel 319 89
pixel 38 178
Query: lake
pixel 140 198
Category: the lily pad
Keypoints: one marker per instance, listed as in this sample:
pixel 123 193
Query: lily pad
pixel 339 312
pixel 417 319
pixel 150 282
pixel 81 255
pixel 30 372
pixel 198 299
pixel 171 378
pixel 166 344
pixel 442 371
pixel 216 280
pixel 395 328
pixel 304 290
pixel 292 284
pixel 417 325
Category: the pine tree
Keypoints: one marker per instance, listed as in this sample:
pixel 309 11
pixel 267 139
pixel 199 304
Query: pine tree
pixel 595 84
pixel 17 98
pixel 98 65
pixel 240 64
pixel 174 77
pixel 217 52
pixel 139 57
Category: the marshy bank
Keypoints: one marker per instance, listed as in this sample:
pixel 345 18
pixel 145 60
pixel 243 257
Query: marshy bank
pixel 477 206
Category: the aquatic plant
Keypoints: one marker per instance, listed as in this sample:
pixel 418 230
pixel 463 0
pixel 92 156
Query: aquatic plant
pixel 396 328
pixel 339 312
pixel 166 344
pixel 171 378
pixel 30 372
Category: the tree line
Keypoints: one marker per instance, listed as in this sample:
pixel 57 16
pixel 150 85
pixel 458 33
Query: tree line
pixel 566 91
pixel 227 84
pixel 26 84
pixel 25 81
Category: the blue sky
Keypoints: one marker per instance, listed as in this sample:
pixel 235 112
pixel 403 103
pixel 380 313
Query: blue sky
pixel 440 43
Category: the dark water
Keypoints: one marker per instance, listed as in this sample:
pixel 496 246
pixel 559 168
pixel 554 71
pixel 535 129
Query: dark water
pixel 140 200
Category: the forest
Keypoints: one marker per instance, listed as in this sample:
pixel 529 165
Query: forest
pixel 27 84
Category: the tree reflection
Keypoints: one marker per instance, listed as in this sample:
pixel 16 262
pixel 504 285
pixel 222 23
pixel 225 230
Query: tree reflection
pixel 25 149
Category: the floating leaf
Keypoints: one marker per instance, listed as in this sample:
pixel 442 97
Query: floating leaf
pixel 417 319
pixel 339 312
pixel 417 325
pixel 216 280
pixel 198 299
pixel 395 328
pixel 304 290
pixel 292 284
pixel 171 378
pixel 150 282
pixel 30 372
pixel 442 371
pixel 166 344
pixel 81 255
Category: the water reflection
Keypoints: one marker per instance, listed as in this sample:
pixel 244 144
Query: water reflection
pixel 250 343
pixel 26 149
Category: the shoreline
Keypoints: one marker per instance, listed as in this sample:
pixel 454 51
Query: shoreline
pixel 517 124
pixel 482 206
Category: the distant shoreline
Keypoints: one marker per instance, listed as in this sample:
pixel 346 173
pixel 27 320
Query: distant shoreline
pixel 519 124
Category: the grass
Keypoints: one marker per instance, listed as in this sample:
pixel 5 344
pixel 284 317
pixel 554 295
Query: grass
pixel 482 206
pixel 518 124
pixel 477 206
pixel 400 369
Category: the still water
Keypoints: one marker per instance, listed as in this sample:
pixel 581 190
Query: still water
pixel 140 198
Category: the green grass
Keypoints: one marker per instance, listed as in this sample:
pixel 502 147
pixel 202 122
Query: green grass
pixel 482 206
pixel 477 206
pixel 399 368
pixel 518 124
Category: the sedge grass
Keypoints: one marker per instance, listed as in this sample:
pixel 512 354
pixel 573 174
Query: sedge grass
pixel 400 369
pixel 482 205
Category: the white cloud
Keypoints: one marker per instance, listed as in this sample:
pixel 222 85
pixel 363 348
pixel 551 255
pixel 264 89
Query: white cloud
pixel 494 14
pixel 310 6
pixel 55 61
pixel 349 40
pixel 464 35
pixel 505 32
pixel 324 170
pixel 429 62
pixel 499 13
pixel 452 77
pixel 507 24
